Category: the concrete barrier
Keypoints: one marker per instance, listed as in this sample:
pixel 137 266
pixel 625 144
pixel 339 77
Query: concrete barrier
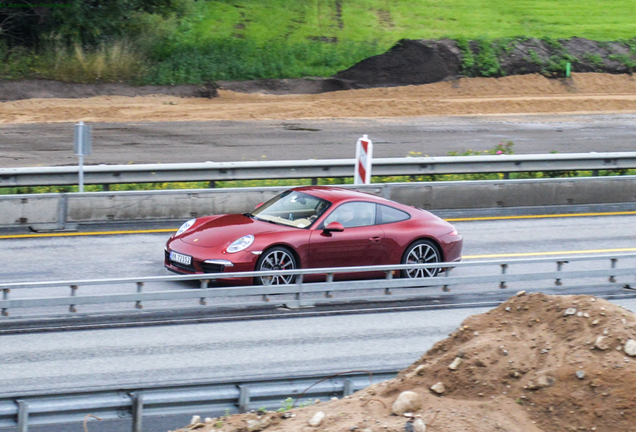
pixel 60 211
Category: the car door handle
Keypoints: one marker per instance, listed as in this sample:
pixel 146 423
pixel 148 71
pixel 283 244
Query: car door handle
pixel 375 239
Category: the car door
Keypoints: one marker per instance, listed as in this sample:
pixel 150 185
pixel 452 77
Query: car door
pixel 359 244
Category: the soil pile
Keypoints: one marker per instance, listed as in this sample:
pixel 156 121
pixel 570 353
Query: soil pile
pixel 536 363
pixel 414 62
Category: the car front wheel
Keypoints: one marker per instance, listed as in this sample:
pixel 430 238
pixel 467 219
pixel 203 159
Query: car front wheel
pixel 276 258
pixel 421 252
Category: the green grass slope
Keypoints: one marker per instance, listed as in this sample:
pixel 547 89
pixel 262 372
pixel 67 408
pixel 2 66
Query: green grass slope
pixel 252 39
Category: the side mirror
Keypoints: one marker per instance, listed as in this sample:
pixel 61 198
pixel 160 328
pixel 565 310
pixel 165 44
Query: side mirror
pixel 258 205
pixel 333 226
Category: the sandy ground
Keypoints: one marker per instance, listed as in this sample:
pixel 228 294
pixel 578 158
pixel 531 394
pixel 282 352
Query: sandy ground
pixel 536 363
pixel 583 93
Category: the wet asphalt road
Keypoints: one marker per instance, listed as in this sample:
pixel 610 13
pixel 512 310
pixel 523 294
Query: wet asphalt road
pixel 48 144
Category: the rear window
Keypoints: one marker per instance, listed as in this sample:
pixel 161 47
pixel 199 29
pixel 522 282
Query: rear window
pixel 386 214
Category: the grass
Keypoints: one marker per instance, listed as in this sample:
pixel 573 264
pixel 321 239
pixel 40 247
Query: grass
pixel 251 39
pixel 307 181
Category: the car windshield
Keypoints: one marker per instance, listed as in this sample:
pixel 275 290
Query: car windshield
pixel 292 208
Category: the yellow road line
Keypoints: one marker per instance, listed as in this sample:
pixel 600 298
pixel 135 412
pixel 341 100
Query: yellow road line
pixel 526 254
pixel 169 230
pixel 484 218
pixel 72 234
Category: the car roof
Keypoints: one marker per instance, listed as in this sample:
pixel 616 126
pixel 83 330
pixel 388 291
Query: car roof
pixel 337 195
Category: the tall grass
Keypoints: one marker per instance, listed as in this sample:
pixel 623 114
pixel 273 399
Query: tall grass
pixel 114 62
pixel 117 61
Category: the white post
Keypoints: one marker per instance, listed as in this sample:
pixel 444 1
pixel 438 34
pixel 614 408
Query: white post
pixel 83 147
pixel 81 173
pixel 364 155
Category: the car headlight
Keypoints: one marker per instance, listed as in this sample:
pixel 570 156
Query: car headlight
pixel 240 244
pixel 185 227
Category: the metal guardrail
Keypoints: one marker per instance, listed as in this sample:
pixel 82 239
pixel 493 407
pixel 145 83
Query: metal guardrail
pixel 211 399
pixel 314 169
pixel 301 294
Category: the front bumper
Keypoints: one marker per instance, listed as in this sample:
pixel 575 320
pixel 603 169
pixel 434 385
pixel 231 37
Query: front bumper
pixel 241 262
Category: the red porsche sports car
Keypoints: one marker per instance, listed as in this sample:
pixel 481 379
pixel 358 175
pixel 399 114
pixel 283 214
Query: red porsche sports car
pixel 314 227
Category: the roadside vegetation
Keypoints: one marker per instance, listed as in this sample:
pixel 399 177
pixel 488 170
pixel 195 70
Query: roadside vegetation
pixel 188 41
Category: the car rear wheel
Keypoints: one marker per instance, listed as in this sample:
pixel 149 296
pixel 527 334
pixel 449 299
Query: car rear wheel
pixel 276 258
pixel 421 252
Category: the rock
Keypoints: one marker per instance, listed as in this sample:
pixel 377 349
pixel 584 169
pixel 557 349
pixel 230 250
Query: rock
pixel 455 364
pixel 541 381
pixel 521 293
pixel 317 419
pixel 630 347
pixel 419 425
pixel 601 343
pixel 580 374
pixel 407 401
pixel 195 420
pixel 569 312
pixel 439 388
pixel 257 425
pixel 420 370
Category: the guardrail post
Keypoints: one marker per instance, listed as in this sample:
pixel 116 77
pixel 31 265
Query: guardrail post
pixel 204 285
pixel 613 265
pixel 244 399
pixel 299 295
pixel 137 411
pixel 559 268
pixel 502 284
pixel 138 304
pixel 347 388
pixel 329 280
pixel 23 415
pixel 5 296
pixel 445 288
pixel 72 307
pixel 62 211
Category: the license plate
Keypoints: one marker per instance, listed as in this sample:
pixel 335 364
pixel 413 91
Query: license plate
pixel 180 258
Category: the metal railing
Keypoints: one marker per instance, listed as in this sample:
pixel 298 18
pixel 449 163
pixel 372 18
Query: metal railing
pixel 314 169
pixel 300 294
pixel 208 399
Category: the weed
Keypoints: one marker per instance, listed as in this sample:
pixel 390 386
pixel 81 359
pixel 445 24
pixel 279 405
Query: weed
pixel 486 60
pixel 595 59
pixel 623 59
pixel 287 404
pixel 468 59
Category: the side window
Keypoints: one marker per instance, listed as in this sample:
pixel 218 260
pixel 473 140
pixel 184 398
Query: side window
pixel 388 214
pixel 354 214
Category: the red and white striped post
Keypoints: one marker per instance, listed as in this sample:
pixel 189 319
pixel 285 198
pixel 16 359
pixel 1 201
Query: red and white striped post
pixel 364 154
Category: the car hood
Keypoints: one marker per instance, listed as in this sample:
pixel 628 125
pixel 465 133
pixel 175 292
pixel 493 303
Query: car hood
pixel 227 228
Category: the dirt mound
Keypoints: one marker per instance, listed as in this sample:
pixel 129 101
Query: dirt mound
pixel 535 363
pixel 45 89
pixel 583 93
pixel 413 62
pixel 409 62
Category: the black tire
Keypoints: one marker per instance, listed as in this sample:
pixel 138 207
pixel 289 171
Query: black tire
pixel 276 258
pixel 421 252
